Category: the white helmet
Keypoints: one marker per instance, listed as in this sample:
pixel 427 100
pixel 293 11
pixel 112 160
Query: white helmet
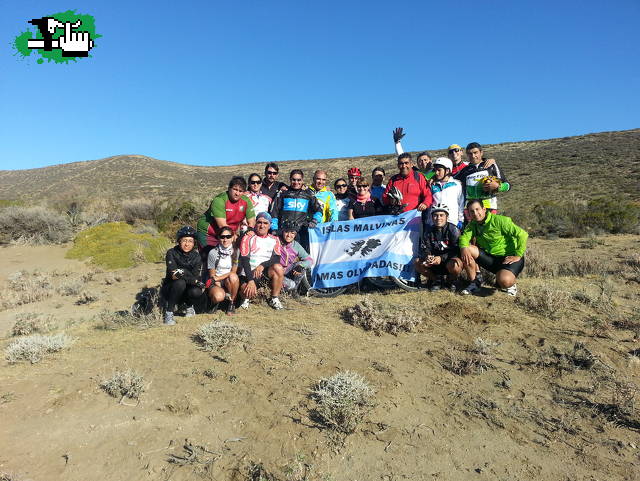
pixel 440 208
pixel 444 162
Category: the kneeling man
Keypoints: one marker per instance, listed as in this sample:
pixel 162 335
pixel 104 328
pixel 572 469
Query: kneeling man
pixel 260 259
pixel 500 247
pixel 439 260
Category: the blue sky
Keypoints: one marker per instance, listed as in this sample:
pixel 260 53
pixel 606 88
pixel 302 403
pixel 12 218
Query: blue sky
pixel 213 83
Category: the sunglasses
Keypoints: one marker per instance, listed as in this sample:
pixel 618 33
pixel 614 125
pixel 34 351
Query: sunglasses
pixel 340 186
pixel 454 150
pixel 362 186
pixel 271 172
pixel 255 182
pixel 225 236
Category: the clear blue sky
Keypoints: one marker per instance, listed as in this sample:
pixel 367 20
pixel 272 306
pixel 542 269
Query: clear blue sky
pixel 212 83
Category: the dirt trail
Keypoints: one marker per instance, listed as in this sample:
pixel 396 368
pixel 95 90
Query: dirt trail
pixel 251 405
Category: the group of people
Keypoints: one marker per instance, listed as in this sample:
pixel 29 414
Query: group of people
pixel 256 232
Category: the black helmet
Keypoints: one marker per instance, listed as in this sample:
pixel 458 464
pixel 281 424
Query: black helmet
pixel 186 231
pixel 288 226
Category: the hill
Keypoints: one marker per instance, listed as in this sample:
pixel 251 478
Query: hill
pixel 581 166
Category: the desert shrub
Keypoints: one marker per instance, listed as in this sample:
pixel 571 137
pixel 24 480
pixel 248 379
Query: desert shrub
pixel 138 209
pixel 70 287
pixel 543 299
pixel 24 288
pixel 124 384
pixel 538 263
pixel 29 322
pixel 579 357
pixel 373 316
pixel 591 242
pixel 220 335
pixel 34 348
pixel 581 266
pixel 173 215
pixel 145 313
pixel 474 359
pixel 86 297
pixel 342 400
pixel 34 225
pixel 614 214
pixel 113 245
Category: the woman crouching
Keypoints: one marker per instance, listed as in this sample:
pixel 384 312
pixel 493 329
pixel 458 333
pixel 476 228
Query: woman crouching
pixel 294 258
pixel 222 262
pixel 182 282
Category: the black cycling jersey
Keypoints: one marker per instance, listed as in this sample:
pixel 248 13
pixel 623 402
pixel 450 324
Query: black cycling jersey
pixel 441 241
pixel 296 207
pixel 372 207
pixel 190 262
pixel 273 190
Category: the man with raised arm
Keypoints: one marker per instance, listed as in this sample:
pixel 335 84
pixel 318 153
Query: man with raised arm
pixel 423 160
pixel 407 189
pixel 500 247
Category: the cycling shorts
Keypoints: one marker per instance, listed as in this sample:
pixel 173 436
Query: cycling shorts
pixel 496 263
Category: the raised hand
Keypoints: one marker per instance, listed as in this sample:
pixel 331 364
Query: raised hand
pixel 398 134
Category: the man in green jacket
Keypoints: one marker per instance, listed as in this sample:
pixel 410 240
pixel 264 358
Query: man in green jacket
pixel 500 247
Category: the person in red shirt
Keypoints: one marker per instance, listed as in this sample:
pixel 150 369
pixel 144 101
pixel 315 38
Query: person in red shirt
pixel 414 188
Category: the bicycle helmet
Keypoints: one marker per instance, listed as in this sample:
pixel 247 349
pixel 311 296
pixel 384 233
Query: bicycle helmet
pixel 354 172
pixel 186 231
pixel 440 208
pixel 288 226
pixel 443 162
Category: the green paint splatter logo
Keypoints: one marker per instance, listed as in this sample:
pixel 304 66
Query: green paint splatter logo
pixel 59 38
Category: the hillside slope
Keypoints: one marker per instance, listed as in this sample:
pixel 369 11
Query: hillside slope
pixel 581 166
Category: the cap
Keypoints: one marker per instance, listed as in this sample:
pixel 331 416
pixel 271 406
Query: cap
pixel 455 146
pixel 264 215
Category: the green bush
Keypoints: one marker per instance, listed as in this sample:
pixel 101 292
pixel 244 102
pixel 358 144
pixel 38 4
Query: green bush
pixel 613 215
pixel 114 245
pixel 185 213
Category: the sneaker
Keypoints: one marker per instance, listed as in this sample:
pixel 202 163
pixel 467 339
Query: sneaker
pixel 275 303
pixel 479 279
pixel 231 308
pixel 168 319
pixel 472 287
pixel 436 285
pixel 245 304
pixel 511 291
pixel 190 312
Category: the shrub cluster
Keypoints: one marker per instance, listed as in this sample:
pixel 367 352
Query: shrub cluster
pixel 34 348
pixel 124 384
pixel 138 209
pixel 114 245
pixel 34 225
pixel 615 215
pixel 219 335
pixel 374 316
pixel 342 400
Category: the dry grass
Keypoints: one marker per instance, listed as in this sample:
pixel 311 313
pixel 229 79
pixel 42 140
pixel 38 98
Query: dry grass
pixel 474 359
pixel 34 348
pixel 341 401
pixel 34 225
pixel 28 323
pixel 581 267
pixel 111 321
pixel 24 288
pixel 218 335
pixel 543 299
pixel 374 316
pixel 124 384
pixel 539 264
pixel 138 209
pixel 579 357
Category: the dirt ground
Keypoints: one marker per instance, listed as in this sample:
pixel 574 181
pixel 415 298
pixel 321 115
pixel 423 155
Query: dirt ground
pixel 536 411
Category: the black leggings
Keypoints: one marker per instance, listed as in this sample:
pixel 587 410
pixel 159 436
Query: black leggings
pixel 178 290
